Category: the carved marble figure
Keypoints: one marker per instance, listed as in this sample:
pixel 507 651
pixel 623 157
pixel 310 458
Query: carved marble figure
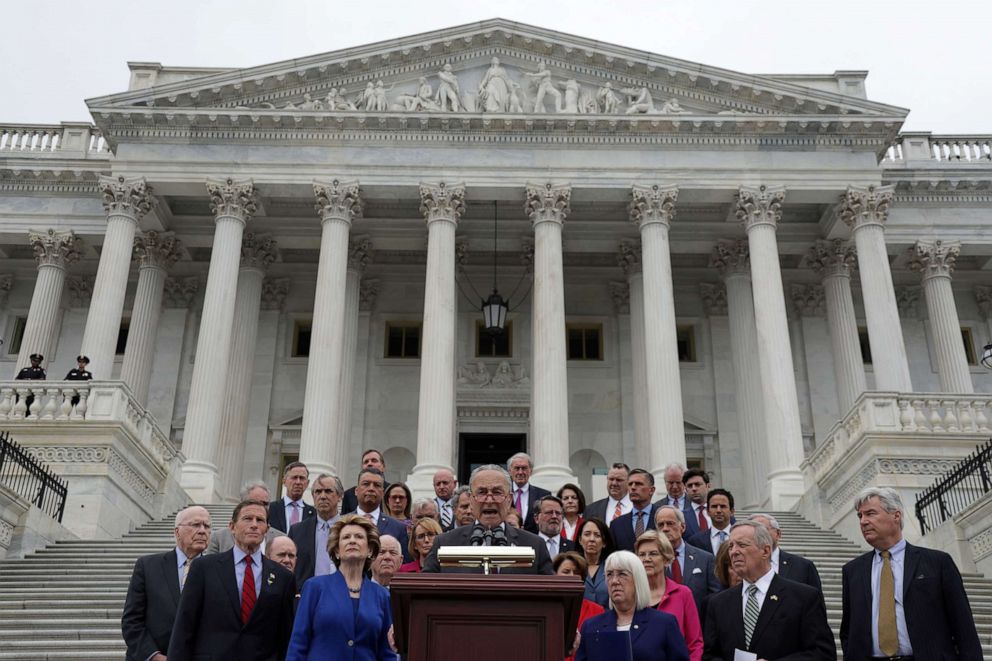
pixel 571 102
pixel 505 378
pixel 608 99
pixel 495 89
pixel 309 103
pixel 422 100
pixel 447 90
pixel 379 101
pixel 639 100
pixel 672 107
pixel 474 375
pixel 542 78
pixel 366 99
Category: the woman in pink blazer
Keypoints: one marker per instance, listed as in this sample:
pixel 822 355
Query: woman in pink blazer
pixel 656 554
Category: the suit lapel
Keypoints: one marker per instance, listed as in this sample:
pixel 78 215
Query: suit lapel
pixel 910 562
pixel 229 579
pixel 737 617
pixel 864 578
pixel 772 602
pixel 267 586
pixel 170 572
pixel 638 625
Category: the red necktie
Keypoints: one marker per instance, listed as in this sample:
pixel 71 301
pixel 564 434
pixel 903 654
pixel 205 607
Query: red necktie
pixel 703 523
pixel 247 591
pixel 618 511
pixel 676 570
pixel 517 503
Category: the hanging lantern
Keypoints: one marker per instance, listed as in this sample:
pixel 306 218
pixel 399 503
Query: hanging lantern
pixel 494 313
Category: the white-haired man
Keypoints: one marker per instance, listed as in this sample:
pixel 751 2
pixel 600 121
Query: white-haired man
pixel 222 540
pixel 525 494
pixel 311 533
pixel 900 600
pixel 788 565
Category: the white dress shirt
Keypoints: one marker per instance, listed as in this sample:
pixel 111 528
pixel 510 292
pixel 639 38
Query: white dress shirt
pixel 775 559
pixel 611 507
pixel 718 538
pixel 256 569
pixel 553 543
pixel 375 515
pixel 524 498
pixel 763 584
pixel 290 505
pixel 897 559
pixel 695 514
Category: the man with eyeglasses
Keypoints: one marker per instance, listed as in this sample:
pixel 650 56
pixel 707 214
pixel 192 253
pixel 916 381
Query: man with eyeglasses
pixel 156 583
pixel 674 487
pixel 549 512
pixel 490 489
pixel 311 534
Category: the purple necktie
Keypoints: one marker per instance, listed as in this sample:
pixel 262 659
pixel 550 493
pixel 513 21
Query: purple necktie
pixel 295 516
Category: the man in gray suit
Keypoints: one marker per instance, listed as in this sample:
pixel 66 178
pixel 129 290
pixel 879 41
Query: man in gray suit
pixel 222 540
pixel 692 567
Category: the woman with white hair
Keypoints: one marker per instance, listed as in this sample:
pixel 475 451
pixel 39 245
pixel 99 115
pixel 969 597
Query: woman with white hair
pixel 632 629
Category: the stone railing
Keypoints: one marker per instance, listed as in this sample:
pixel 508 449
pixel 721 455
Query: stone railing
pixel 75 139
pixel 908 415
pixel 954 149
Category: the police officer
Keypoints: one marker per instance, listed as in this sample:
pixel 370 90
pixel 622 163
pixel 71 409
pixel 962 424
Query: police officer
pixel 36 371
pixel 79 373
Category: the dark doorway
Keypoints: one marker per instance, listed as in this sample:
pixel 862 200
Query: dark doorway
pixel 478 449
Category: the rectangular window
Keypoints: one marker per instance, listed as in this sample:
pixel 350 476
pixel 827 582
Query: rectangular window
pixel 301 338
pixel 585 341
pixel 969 346
pixel 16 335
pixel 865 345
pixel 402 340
pixel 122 336
pixel 686 341
pixel 493 345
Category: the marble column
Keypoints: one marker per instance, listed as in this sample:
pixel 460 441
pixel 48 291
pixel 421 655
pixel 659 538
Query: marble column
pixel 53 251
pixel 338 204
pixel 126 201
pixel 155 253
pixel 257 253
pixel 630 261
pixel 732 261
pixel 865 211
pixel 442 206
pixel 934 260
pixel 983 297
pixel 833 261
pixel 547 206
pixel 652 209
pixel 760 210
pixel 359 256
pixel 233 204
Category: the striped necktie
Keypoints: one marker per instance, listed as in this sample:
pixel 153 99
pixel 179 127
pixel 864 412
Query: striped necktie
pixel 182 582
pixel 248 596
pixel 751 611
pixel 445 515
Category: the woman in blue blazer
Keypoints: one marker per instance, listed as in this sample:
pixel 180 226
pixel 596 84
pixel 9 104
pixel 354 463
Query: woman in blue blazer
pixel 344 615
pixel 632 631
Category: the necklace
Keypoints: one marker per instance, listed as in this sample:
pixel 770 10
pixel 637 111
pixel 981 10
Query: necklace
pixel 355 590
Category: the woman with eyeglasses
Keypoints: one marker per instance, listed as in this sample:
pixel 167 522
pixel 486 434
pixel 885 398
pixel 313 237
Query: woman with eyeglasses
pixel 421 541
pixel 668 596
pixel 632 629
pixel 397 500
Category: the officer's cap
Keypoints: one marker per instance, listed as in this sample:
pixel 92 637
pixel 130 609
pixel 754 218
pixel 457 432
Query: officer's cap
pixel 83 359
pixel 37 356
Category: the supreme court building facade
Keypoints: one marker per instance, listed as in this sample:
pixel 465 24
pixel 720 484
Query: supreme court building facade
pixel 759 275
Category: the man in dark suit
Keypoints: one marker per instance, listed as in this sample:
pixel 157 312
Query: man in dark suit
pixel 310 535
pixel 617 503
pixel 371 458
pixel 626 529
pixel 153 594
pixel 237 604
pixel 674 487
pixel 788 565
pixel 767 615
pixel 524 494
pixel 369 491
pixel 290 509
pixel 720 507
pixel 931 620
pixel 444 485
pixel 697 487
pixel 692 567
pixel 548 513
pixel 491 491
pixel 222 540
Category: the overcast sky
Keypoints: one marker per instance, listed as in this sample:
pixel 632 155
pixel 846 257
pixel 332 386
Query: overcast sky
pixel 931 57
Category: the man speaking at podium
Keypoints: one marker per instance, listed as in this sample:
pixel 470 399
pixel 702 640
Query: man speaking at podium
pixel 490 490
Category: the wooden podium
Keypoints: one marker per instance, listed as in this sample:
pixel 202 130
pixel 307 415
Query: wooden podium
pixel 486 618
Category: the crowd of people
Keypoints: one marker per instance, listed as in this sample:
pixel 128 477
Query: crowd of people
pixel 672 578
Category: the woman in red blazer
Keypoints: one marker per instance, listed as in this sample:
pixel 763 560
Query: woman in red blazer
pixel 574 504
pixel 656 554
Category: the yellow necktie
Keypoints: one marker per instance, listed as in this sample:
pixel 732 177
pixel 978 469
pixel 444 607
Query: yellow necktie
pixel 888 639
pixel 186 565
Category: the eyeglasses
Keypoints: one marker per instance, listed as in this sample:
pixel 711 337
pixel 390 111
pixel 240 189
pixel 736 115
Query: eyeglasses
pixel 198 526
pixel 496 494
pixel 425 535
pixel 557 513
pixel 649 554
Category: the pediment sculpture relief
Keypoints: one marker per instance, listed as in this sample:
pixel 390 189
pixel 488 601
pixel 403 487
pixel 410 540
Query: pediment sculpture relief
pixel 500 90
pixel 476 375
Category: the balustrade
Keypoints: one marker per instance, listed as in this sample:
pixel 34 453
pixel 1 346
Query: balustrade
pixel 28 140
pixel 943 148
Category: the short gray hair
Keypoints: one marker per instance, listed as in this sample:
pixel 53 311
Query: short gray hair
pixel 457 493
pixel 629 562
pixel 421 503
pixel 761 535
pixel 254 484
pixel 672 465
pixel 181 514
pixel 493 467
pixel 678 513
pixel 519 455
pixel 335 482
pixel 772 521
pixel 889 498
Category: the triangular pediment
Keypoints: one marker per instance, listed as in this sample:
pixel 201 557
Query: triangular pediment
pixel 407 75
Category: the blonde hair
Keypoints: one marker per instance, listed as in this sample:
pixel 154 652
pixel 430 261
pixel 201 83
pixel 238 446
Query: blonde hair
pixel 659 540
pixel 371 534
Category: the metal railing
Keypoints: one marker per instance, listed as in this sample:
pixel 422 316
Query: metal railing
pixel 958 489
pixel 31 479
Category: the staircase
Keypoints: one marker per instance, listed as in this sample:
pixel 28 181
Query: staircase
pixel 65 601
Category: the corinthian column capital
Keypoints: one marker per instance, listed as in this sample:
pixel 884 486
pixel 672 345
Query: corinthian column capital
pixel 338 200
pixel 934 259
pixel 860 207
pixel 629 257
pixel 731 257
pixel 653 204
pixel 274 293
pixel 154 249
pixel 258 251
pixel 126 196
pixel 53 248
pixel 231 198
pixel 832 258
pixel 808 300
pixel 442 202
pixel 759 206
pixel 548 203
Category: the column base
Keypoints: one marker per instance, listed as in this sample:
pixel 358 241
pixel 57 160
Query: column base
pixel 201 482
pixel 421 479
pixel 551 477
pixel 784 490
